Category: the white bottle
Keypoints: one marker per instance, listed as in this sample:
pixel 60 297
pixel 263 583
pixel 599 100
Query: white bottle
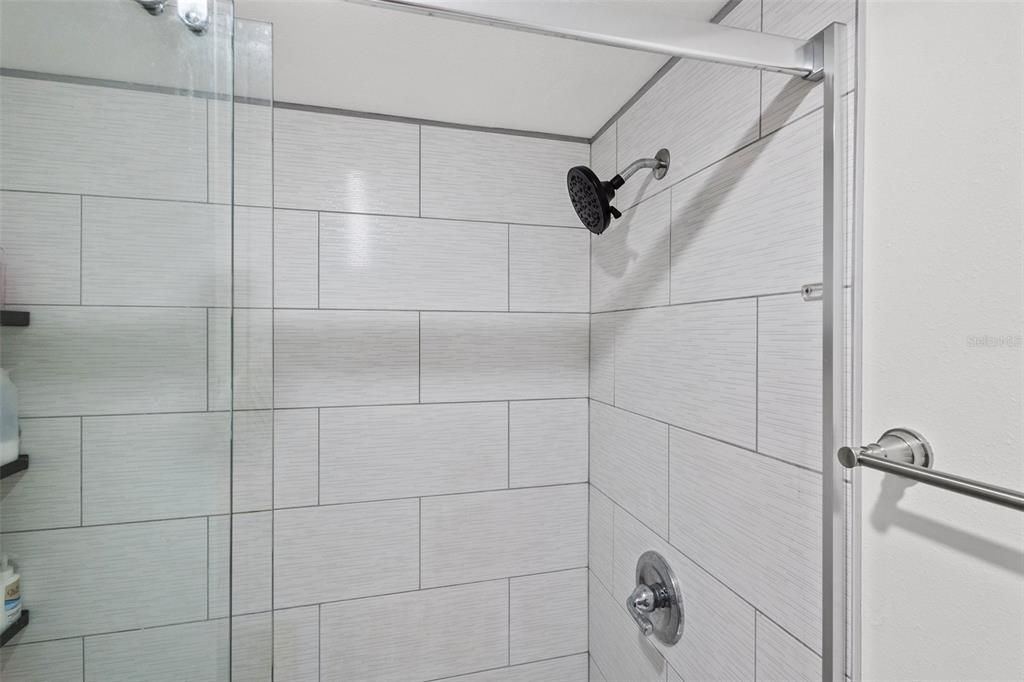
pixel 8 419
pixel 12 593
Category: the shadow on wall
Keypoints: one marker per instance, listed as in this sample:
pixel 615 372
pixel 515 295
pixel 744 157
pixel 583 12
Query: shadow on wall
pixel 886 513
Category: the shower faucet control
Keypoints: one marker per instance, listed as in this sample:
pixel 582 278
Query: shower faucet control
pixel 656 604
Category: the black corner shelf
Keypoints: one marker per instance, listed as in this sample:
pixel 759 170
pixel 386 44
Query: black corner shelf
pixel 14 318
pixel 16 627
pixel 14 467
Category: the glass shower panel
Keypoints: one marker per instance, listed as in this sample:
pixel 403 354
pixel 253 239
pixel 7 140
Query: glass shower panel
pixel 116 224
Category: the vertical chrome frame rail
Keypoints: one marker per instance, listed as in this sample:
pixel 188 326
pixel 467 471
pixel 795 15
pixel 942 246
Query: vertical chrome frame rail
pixel 823 57
pixel 833 399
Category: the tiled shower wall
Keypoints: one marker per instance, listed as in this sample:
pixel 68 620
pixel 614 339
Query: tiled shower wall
pixel 410 394
pixel 705 422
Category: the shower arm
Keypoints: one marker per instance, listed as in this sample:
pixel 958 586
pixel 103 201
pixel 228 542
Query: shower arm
pixel 659 164
pixel 637 165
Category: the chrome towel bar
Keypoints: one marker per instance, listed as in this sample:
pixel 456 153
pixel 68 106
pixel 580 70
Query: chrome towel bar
pixel 906 453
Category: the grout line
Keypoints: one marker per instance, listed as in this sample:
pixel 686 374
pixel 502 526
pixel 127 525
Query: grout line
pixel 81 248
pixel 507 667
pixel 129 306
pixel 755 644
pixel 231 374
pixel 81 472
pixel 419 543
pixel 319 251
pixel 319 638
pixel 508 443
pixel 508 268
pixel 419 169
pixel 318 441
pixel 208 568
pixel 757 372
pixel 419 357
pixel 508 626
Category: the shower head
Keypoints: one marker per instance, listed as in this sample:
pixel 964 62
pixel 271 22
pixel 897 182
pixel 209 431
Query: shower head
pixel 591 198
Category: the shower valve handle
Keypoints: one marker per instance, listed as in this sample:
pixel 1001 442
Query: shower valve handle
pixel 642 601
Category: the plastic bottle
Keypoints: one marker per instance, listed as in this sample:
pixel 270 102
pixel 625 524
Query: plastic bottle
pixel 12 593
pixel 8 419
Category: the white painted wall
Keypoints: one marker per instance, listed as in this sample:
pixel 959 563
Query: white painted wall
pixel 943 575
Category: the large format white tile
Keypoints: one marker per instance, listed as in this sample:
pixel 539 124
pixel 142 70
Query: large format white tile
pixel 616 644
pixel 412 263
pixel 58 661
pixel 759 530
pixel 780 658
pixel 602 356
pixel 252 647
pixel 699 111
pixel 252 455
pixel 564 669
pixel 198 652
pixel 335 358
pixel 751 224
pixel 240 359
pixel 296 259
pixel 108 361
pixel 718 635
pixel 40 235
pixel 297 644
pixel 595 673
pixel 600 536
pixel 693 366
pixel 296 458
pixel 457 630
pixel 145 467
pixel 503 356
pixel 248 130
pixel 138 252
pixel 630 261
pixel 142 571
pixel 603 159
pixel 786 98
pixel 253 246
pixel 548 615
pixel 548 442
pixel 241 548
pixel 341 163
pixel 549 269
pixel 376 453
pixel 48 496
pixel 629 463
pixel 526 185
pixel 505 533
pixel 345 551
pixel 789 379
pixel 83 139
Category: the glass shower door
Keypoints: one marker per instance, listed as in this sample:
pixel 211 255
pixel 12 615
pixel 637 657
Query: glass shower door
pixel 116 224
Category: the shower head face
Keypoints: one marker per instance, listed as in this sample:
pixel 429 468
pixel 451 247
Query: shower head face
pixel 589 198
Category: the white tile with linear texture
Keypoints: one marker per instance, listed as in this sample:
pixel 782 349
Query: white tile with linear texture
pixel 693 366
pixel 143 569
pixel 250 334
pixel 384 262
pixel 249 132
pixel 718 639
pixel 760 531
pixel 602 356
pixel 534 169
pixel 337 544
pixel 479 536
pixel 252 460
pixel 629 463
pixel 751 224
pixel 699 111
pixel 83 139
pixel 252 647
pixel 41 238
pixel 49 496
pixel 250 541
pixel 253 248
pixel 296 457
pixel 600 536
pixel 549 269
pixel 603 159
pixel 565 669
pixel 595 673
pixel 57 661
pixel 548 442
pixel 502 356
pixel 780 658
pixel 100 360
pixel 376 453
pixel 746 14
pixel 331 162
pixel 548 615
pixel 296 259
pixel 618 648
pixel 198 652
pixel 786 98
pixel 450 639
pixel 155 253
pixel 155 466
pixel 630 262
pixel 337 358
pixel 297 644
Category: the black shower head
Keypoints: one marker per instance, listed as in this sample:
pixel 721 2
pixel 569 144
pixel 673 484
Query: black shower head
pixel 592 198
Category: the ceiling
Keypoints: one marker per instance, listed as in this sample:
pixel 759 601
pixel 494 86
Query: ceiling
pixel 351 55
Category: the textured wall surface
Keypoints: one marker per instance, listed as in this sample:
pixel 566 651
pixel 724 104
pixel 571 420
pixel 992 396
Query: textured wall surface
pixel 705 419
